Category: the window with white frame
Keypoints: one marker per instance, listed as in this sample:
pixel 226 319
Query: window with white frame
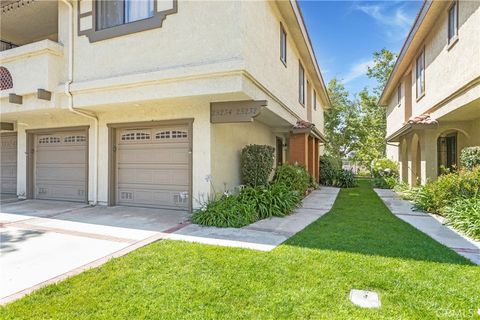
pixel 283 45
pixel 301 84
pixel 420 74
pixel 453 22
pixel 111 13
pixel 314 100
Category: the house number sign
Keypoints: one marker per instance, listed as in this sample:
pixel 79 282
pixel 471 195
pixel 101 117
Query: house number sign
pixel 235 111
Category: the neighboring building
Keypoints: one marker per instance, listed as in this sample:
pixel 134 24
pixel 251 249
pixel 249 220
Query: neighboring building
pixel 433 94
pixel 139 102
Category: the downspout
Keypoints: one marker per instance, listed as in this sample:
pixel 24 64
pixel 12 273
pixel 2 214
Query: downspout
pixel 70 101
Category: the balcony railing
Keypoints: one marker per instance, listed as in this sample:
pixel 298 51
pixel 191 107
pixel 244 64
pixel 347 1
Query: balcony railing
pixel 5 45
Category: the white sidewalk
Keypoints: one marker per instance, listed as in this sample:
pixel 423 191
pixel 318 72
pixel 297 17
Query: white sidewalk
pixel 431 226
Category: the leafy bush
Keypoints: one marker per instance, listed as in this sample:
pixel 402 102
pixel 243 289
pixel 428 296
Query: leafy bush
pixel 329 167
pixel 250 205
pixel 448 188
pixel 464 215
pixel 294 176
pixel 470 157
pixel 344 179
pixel 256 164
pixel 385 173
pixel 385 182
pixel 274 200
pixel 227 211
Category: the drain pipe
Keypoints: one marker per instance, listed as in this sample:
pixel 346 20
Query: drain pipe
pixel 70 101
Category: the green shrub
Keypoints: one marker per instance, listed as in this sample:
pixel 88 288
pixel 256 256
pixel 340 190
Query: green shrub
pixel 256 164
pixel 274 200
pixel 385 182
pixel 448 188
pixel 385 173
pixel 470 157
pixel 226 211
pixel 294 176
pixel 464 215
pixel 250 205
pixel 344 179
pixel 329 167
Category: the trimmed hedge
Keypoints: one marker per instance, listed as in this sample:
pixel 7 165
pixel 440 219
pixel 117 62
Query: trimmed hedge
pixel 329 167
pixel 470 157
pixel 332 174
pixel 256 164
pixel 294 176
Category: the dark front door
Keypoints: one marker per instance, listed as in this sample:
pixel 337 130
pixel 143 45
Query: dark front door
pixel 447 152
pixel 279 151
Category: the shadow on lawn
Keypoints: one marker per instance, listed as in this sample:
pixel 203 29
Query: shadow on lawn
pixel 359 222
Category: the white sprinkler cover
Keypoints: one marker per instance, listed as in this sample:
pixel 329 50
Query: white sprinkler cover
pixel 365 299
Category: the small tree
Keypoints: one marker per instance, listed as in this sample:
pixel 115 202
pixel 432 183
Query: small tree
pixel 256 164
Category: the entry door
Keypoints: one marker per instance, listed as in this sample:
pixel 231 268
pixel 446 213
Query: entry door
pixel 8 163
pixel 61 166
pixel 279 151
pixel 447 152
pixel 153 167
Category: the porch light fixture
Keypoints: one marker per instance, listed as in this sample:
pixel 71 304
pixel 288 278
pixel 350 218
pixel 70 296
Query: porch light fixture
pixel 15 98
pixel 43 94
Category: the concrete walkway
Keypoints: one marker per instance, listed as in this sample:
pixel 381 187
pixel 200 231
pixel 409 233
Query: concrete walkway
pixel 431 226
pixel 265 234
pixel 43 242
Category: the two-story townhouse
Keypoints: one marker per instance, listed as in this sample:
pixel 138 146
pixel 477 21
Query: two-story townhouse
pixel 433 94
pixel 148 103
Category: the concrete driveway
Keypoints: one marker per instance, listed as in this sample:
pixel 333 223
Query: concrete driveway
pixel 46 241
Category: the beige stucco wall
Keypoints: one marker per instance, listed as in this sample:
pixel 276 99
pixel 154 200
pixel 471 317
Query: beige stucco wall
pixel 229 53
pixel 261 51
pixel 200 33
pixel 448 68
pixel 396 113
pixel 228 141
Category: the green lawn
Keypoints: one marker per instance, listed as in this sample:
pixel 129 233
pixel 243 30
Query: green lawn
pixel 359 244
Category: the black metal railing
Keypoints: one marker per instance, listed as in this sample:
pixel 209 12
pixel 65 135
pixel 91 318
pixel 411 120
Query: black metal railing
pixel 5 45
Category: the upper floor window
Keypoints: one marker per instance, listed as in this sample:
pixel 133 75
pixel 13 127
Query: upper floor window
pixel 314 100
pixel 301 84
pixel 111 13
pixel 399 94
pixel 453 22
pixel 420 74
pixel 283 45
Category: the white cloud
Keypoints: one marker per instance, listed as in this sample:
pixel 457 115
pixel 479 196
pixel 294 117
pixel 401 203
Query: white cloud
pixel 357 70
pixel 384 14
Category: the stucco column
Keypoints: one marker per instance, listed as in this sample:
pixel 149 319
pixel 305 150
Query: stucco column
pixel 21 160
pixel 298 149
pixel 429 156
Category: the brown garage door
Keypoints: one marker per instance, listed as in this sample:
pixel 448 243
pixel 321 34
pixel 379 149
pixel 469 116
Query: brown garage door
pixel 61 166
pixel 8 164
pixel 153 167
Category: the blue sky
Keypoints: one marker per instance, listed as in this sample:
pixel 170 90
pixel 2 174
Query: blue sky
pixel 346 33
